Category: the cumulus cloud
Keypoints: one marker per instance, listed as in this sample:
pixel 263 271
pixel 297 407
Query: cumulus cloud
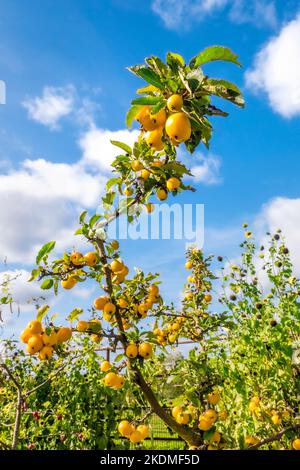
pixel 41 200
pixel 281 213
pixel 83 293
pixel 257 12
pixel 97 150
pixel 207 169
pixel 278 213
pixel 182 14
pixel 177 14
pixel 22 293
pixel 276 70
pixel 54 104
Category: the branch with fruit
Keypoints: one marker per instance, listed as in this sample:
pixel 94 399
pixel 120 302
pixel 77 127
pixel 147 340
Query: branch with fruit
pixel 174 110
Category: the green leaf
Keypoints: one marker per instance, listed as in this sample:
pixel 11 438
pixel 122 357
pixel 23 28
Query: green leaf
pixel 94 219
pixel 214 53
pixel 207 435
pixel 147 89
pixel 146 100
pixel 195 78
pixel 178 168
pixel 156 64
pixel 44 251
pixel 74 314
pixel 157 107
pixel 34 274
pixel 118 358
pixel 112 181
pixel 108 199
pixel 224 89
pixel 174 57
pixel 225 83
pixel 55 287
pixel 82 217
pixel 78 231
pixel 131 115
pixel 121 145
pixel 192 144
pixel 42 311
pixel 47 284
pixel 95 327
pixel 147 74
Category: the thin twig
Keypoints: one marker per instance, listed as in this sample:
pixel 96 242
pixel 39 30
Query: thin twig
pixel 51 377
pixel 276 437
pixel 146 415
pixel 19 406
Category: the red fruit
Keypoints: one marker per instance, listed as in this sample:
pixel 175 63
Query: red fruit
pixel 30 446
pixel 59 417
pixel 36 415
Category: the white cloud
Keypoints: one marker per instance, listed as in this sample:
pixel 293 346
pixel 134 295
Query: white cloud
pixel 276 70
pixel 83 293
pixel 182 14
pixel 54 104
pixel 207 169
pixel 22 292
pixel 258 12
pixel 278 213
pixel 281 213
pixel 41 200
pixel 98 152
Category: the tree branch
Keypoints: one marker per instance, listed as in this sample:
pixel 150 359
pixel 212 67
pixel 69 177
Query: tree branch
pixel 184 432
pixel 51 377
pixel 276 437
pixel 19 406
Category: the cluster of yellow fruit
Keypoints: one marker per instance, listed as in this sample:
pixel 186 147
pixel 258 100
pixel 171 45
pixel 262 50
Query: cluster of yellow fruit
pixel 207 298
pixel 103 303
pixel 119 271
pixel 254 404
pixel 260 411
pixel 112 379
pixel 78 259
pixel 171 184
pixel 134 433
pixel 129 310
pixel 183 415
pixel 93 327
pixel 41 342
pixel 173 121
pixel 207 419
pixel 170 333
pixel 144 350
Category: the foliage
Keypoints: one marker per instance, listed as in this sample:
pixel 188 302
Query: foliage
pixel 238 386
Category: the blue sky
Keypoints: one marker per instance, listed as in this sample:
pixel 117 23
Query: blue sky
pixel 64 64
